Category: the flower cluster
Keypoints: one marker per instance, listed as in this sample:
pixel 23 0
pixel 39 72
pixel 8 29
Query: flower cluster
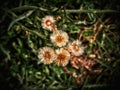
pixel 66 49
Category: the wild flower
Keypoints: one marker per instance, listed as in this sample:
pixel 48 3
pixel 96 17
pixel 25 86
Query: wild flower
pixel 48 23
pixel 76 48
pixel 62 57
pixel 46 55
pixel 59 38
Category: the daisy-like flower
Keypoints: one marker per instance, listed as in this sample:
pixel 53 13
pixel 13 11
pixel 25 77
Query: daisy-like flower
pixel 48 23
pixel 59 38
pixel 62 57
pixel 46 55
pixel 76 48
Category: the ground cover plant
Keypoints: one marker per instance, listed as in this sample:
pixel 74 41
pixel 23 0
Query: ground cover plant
pixel 59 44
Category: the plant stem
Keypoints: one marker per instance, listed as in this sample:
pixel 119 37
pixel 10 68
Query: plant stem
pixel 88 11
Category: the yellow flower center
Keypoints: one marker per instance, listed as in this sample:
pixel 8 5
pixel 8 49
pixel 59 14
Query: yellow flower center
pixel 75 47
pixel 48 22
pixel 47 55
pixel 61 57
pixel 59 38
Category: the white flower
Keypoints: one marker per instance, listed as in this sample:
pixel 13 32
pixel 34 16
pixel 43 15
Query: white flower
pixel 59 38
pixel 76 48
pixel 62 57
pixel 48 22
pixel 46 55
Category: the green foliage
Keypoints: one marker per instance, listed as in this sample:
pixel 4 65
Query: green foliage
pixel 21 36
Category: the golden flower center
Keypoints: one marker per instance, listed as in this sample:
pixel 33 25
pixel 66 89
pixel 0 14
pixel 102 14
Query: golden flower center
pixel 59 38
pixel 61 57
pixel 75 47
pixel 47 55
pixel 48 22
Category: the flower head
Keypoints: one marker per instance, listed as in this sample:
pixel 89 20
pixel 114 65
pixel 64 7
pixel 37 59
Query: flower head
pixel 76 48
pixel 62 57
pixel 47 55
pixel 59 38
pixel 48 22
